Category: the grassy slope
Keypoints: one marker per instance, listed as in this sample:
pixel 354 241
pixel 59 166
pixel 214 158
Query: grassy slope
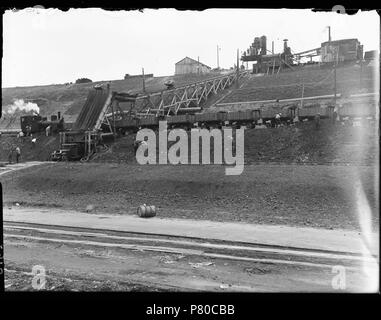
pixel 70 98
pixel 317 82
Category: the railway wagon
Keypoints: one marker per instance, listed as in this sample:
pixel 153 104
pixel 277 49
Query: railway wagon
pixel 126 124
pixel 244 116
pixel 269 113
pixel 181 120
pixel 149 121
pixel 211 118
pixel 358 111
pixel 310 112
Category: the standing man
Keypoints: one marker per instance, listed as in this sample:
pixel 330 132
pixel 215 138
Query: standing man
pixel 18 154
pixel 10 154
pixel 277 120
pixel 47 131
pixel 317 121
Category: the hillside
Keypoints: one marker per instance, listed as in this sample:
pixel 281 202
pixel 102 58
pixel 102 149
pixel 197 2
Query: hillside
pixel 318 81
pixel 295 144
pixel 69 99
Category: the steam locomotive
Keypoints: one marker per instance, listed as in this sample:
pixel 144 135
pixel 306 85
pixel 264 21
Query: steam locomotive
pixel 36 123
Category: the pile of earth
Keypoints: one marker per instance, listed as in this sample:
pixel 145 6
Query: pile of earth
pixel 40 151
pixel 302 143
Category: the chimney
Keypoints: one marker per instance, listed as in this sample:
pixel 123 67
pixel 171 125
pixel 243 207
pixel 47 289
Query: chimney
pixel 329 34
pixel 285 45
pixel 59 115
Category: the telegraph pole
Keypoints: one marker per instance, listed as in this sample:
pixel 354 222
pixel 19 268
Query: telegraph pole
pixel 237 84
pixel 334 63
pixel 329 34
pixel 218 58
pixel 144 83
pixel 198 65
pixel 334 75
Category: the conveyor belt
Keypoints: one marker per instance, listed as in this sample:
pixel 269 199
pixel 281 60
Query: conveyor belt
pixel 91 110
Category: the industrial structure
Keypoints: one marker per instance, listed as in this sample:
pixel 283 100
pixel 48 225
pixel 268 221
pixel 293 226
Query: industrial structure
pixel 345 50
pixel 108 113
pixel 266 61
pixel 189 65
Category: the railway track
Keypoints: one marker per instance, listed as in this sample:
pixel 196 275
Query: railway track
pixel 212 249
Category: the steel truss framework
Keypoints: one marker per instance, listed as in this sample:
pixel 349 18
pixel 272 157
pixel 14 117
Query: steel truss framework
pixel 167 102
pixel 190 96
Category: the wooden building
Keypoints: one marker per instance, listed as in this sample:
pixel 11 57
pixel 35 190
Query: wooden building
pixel 189 65
pixel 343 50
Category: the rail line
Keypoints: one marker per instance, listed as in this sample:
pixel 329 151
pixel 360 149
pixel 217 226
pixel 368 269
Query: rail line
pixel 213 249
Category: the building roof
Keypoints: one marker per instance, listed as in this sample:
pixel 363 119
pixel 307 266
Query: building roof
pixel 339 41
pixel 194 61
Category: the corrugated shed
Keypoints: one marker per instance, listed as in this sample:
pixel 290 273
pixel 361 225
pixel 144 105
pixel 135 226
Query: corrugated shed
pixel 91 110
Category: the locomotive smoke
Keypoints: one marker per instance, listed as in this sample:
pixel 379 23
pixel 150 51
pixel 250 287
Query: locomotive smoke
pixel 21 105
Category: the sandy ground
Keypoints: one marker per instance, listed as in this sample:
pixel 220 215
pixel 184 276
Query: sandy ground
pixel 88 267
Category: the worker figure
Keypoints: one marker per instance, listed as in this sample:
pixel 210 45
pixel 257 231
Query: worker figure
pixel 10 155
pixel 28 130
pixel 47 130
pixel 136 145
pixel 317 121
pixel 18 154
pixel 34 142
pixel 20 134
pixel 277 120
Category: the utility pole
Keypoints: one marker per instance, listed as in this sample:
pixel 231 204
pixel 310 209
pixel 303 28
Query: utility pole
pixel 198 65
pixel 329 34
pixel 334 76
pixel 335 52
pixel 218 57
pixel 144 83
pixel 361 72
pixel 237 84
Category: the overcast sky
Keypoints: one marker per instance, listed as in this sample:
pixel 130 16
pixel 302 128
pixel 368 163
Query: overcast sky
pixel 50 46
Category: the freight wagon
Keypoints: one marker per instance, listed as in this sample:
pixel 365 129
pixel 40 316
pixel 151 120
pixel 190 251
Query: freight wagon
pixel 310 112
pixel 358 111
pixel 185 121
pixel 149 121
pixel 211 118
pixel 246 118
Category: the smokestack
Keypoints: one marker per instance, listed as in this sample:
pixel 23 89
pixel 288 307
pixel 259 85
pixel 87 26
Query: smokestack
pixel 59 115
pixel 329 33
pixel 263 45
pixel 285 45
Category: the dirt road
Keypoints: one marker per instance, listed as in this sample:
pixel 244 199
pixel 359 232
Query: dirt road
pixel 92 259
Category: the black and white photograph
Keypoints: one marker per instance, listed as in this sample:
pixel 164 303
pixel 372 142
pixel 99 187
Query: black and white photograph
pixel 167 150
